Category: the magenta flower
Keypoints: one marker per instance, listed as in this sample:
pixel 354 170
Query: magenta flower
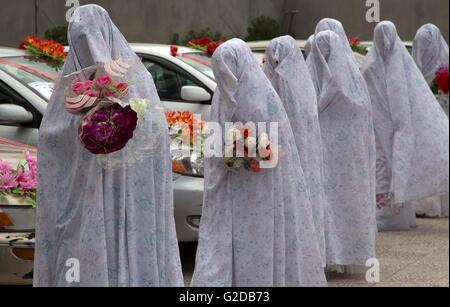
pixel 78 88
pixel 8 181
pixel 4 167
pixel 103 81
pixel 108 130
pixel 92 93
pixel 88 84
pixel 122 89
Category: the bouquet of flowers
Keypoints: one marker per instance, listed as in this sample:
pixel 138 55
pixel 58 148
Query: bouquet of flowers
pixel 19 181
pixel 97 94
pixel 52 52
pixel 205 44
pixel 245 151
pixel 356 46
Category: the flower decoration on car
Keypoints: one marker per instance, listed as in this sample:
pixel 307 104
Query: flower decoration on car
pixel 441 82
pixel 356 46
pixel 179 121
pixel 205 44
pixel 50 51
pixel 19 181
pixel 174 50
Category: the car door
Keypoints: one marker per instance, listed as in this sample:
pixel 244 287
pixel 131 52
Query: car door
pixel 169 81
pixel 22 131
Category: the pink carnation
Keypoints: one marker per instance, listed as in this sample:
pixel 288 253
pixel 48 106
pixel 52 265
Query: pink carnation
pixel 103 81
pixel 92 93
pixel 4 167
pixel 78 88
pixel 8 181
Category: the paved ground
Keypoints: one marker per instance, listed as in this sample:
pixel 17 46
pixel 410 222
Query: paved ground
pixel 418 258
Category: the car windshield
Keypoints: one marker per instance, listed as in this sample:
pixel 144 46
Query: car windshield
pixel 200 61
pixel 32 72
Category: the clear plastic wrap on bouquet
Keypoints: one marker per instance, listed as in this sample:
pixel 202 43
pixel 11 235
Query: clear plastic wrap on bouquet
pixel 121 122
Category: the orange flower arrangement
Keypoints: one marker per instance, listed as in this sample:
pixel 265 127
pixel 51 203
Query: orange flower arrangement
pixel 46 49
pixel 177 120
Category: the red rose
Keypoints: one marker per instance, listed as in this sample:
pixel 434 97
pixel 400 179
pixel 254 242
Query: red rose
pixel 353 41
pixel 204 41
pixel 174 50
pixel 442 81
pixel 213 46
pixel 254 166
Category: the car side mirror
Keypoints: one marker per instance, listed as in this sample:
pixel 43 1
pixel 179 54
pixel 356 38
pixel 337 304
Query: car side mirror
pixel 11 114
pixel 195 94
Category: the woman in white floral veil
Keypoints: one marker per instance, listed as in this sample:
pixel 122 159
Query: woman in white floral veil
pixel 257 229
pixel 349 153
pixel 430 52
pixel 286 69
pixel 117 224
pixel 412 131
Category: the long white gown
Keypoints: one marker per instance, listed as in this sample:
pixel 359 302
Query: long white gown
pixel 117 223
pixel 257 229
pixel 411 128
pixel 430 52
pixel 286 69
pixel 349 152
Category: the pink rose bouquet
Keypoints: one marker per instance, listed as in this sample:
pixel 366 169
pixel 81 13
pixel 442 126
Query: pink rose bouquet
pixel 107 122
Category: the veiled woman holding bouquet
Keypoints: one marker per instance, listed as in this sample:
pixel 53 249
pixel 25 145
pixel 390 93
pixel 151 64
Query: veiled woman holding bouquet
pixel 114 215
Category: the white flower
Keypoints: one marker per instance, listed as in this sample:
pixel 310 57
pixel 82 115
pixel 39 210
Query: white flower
pixel 139 106
pixel 250 143
pixel 233 135
pixel 229 151
pixel 264 140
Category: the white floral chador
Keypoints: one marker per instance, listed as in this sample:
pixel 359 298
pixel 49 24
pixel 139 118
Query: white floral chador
pixel 412 131
pixel 430 52
pixel 349 151
pixel 286 69
pixel 257 229
pixel 116 225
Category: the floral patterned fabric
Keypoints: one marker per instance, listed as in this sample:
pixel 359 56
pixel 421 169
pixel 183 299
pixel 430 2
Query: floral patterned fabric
pixel 286 69
pixel 430 52
pixel 412 129
pixel 349 151
pixel 308 45
pixel 257 229
pixel 117 223
pixel 336 27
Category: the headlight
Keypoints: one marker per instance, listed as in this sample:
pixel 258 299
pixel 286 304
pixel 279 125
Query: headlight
pixel 187 163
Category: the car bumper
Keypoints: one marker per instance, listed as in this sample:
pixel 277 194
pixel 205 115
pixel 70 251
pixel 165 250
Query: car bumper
pixel 14 270
pixel 188 200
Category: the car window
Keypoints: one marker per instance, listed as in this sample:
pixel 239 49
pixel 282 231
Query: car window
pixel 37 76
pixel 200 61
pixel 168 81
